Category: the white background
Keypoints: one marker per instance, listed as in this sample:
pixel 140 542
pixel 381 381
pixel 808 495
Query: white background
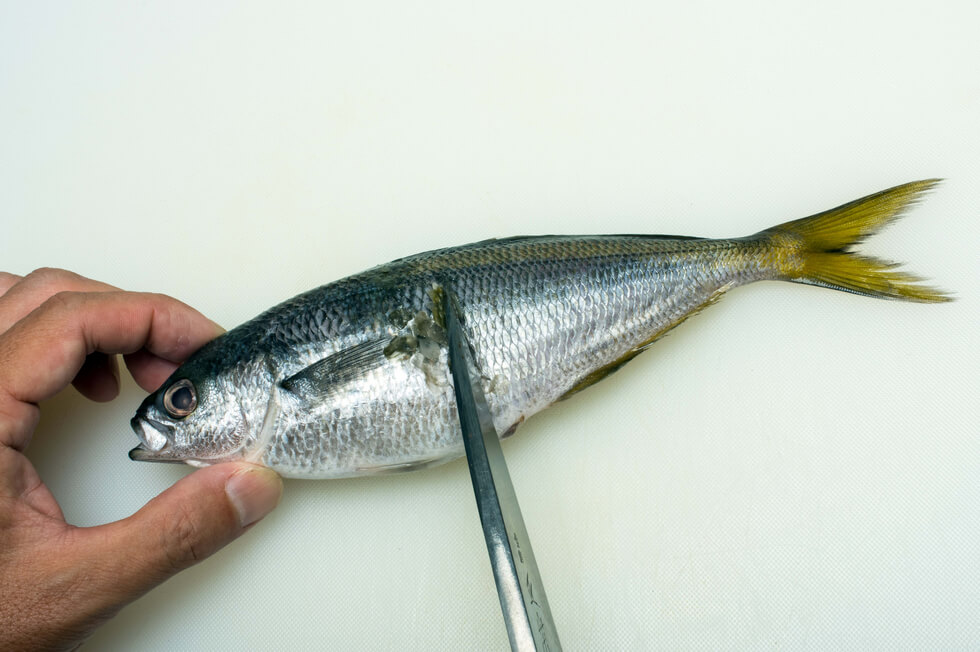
pixel 794 469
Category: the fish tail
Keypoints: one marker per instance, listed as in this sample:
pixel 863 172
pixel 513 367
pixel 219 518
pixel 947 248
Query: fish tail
pixel 816 250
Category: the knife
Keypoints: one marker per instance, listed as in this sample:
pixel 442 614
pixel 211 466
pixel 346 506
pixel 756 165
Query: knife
pixel 527 615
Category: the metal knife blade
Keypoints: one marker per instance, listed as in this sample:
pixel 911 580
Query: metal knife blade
pixel 527 615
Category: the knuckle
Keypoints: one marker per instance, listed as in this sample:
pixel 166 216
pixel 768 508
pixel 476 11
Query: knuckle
pixel 45 276
pixel 171 325
pixel 159 300
pixel 65 301
pixel 7 281
pixel 166 309
pixel 43 272
pixel 181 540
pixel 162 304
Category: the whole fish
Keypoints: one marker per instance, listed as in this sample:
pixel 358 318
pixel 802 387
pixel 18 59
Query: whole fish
pixel 352 378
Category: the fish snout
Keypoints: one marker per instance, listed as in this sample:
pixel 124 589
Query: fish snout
pixel 154 439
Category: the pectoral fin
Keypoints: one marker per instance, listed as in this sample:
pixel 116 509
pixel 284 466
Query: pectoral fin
pixel 337 369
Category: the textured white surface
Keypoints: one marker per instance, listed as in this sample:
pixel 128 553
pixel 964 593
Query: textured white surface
pixel 794 469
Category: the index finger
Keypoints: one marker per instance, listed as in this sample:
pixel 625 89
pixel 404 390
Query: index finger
pixel 40 354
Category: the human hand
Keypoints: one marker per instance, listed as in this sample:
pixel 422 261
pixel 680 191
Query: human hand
pixel 59 582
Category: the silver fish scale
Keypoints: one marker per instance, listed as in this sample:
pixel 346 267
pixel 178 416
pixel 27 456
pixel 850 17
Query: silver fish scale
pixel 542 315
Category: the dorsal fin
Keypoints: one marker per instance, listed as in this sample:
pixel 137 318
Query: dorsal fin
pixel 533 238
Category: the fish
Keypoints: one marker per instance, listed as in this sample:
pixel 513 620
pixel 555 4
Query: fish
pixel 352 378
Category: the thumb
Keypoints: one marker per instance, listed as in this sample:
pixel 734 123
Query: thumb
pixel 188 522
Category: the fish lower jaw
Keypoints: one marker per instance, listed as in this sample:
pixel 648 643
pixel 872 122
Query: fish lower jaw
pixel 144 454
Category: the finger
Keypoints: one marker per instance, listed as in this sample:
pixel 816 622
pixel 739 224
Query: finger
pixel 98 379
pixel 53 341
pixel 7 281
pixel 37 287
pixel 41 353
pixel 148 370
pixel 19 480
pixel 196 517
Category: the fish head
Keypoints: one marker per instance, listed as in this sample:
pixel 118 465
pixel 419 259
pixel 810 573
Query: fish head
pixel 206 412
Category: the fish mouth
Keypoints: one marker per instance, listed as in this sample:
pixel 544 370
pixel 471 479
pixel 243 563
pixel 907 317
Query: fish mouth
pixel 154 443
pixel 152 433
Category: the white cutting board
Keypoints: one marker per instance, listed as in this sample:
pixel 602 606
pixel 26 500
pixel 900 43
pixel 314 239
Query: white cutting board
pixel 793 469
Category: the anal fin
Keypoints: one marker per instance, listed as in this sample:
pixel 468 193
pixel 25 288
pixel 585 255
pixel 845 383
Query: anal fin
pixel 402 467
pixel 606 370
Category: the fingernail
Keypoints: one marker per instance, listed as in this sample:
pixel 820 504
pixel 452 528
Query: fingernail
pixel 218 328
pixel 254 493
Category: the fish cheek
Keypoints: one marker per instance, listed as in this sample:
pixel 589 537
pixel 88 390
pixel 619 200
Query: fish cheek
pixel 216 430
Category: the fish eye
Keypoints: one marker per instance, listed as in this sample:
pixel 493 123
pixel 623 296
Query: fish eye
pixel 180 399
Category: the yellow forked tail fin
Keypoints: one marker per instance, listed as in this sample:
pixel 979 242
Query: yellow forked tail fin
pixel 817 250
